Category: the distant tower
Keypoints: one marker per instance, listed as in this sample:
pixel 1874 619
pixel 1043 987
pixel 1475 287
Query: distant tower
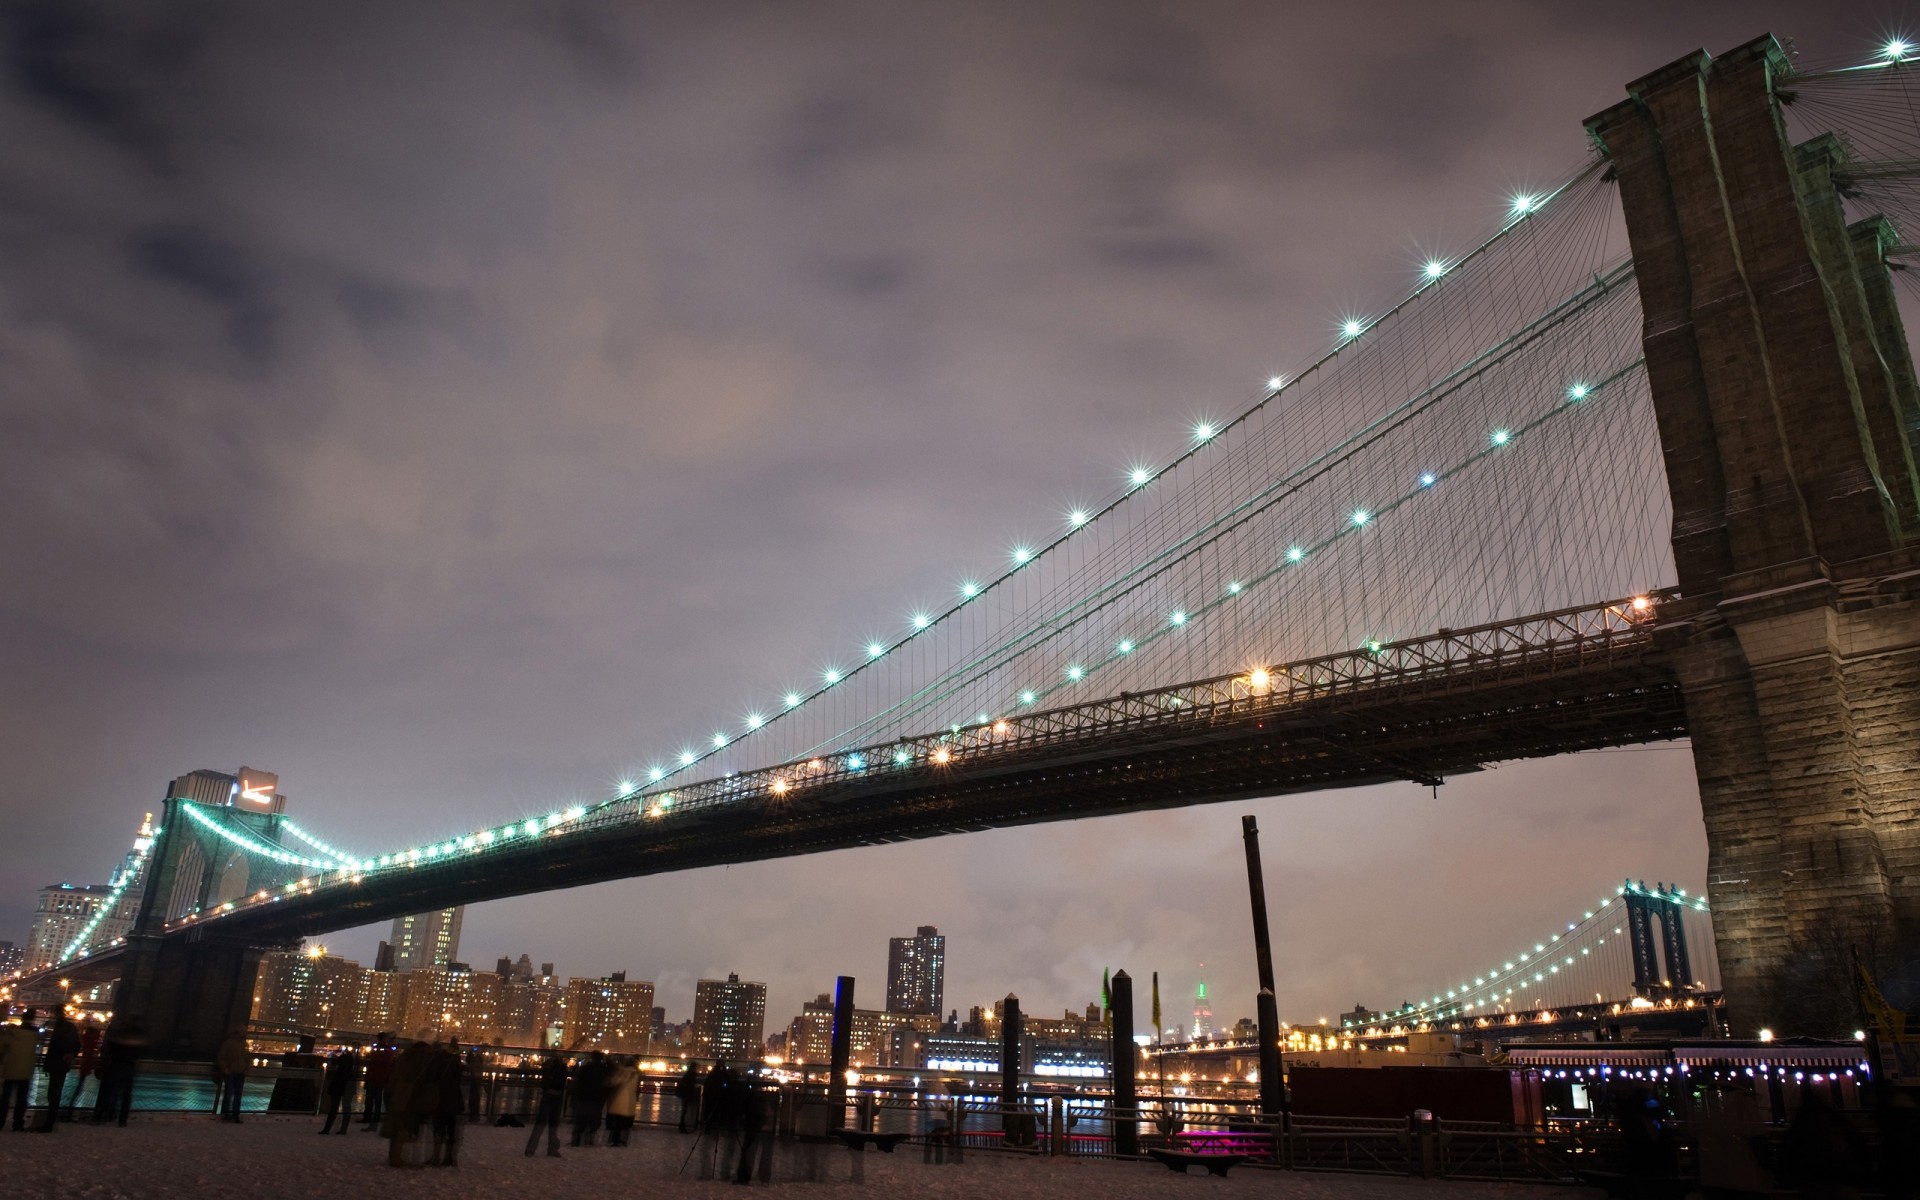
pixel 1202 1013
pixel 426 939
pixel 916 972
pixel 729 1019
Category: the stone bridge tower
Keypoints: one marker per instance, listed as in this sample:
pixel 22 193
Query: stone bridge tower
pixel 1788 414
pixel 191 988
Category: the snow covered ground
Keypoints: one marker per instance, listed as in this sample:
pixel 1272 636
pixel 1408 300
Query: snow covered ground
pixel 271 1158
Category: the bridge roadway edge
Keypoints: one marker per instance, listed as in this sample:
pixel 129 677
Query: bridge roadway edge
pixel 1449 730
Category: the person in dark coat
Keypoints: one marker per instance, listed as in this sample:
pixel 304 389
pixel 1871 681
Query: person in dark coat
pixel 88 1064
pixel 19 1046
pixel 379 1077
pixel 714 1113
pixel 686 1089
pixel 479 1086
pixel 343 1072
pixel 750 1106
pixel 553 1097
pixel 410 1101
pixel 231 1060
pixel 590 1086
pixel 446 1088
pixel 126 1045
pixel 63 1046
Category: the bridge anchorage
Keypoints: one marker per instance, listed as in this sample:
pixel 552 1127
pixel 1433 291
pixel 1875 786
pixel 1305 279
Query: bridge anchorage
pixel 1494 443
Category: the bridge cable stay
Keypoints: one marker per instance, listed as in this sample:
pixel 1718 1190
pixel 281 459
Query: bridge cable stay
pixel 1157 548
pixel 832 686
pixel 1873 111
pixel 1197 555
pixel 980 593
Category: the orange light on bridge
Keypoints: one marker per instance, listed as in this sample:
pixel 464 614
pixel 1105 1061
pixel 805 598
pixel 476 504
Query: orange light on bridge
pixel 942 756
pixel 1642 603
pixel 999 726
pixel 1259 677
pixel 779 787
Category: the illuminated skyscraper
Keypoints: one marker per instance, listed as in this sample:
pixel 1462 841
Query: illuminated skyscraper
pixel 1202 1013
pixel 729 1018
pixel 917 972
pixel 426 939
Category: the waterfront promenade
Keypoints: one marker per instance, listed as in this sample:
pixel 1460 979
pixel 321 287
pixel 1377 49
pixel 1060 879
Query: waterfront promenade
pixel 281 1157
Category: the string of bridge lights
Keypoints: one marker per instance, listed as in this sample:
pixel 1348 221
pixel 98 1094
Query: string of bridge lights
pixel 1515 969
pixel 568 820
pixel 78 947
pixel 340 857
pixel 254 845
pixel 1350 330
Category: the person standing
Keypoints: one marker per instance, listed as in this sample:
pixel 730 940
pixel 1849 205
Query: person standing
pixel 553 1096
pixel 126 1044
pixel 230 1062
pixel 379 1075
pixel 589 1098
pixel 446 1088
pixel 713 1096
pixel 686 1089
pixel 19 1047
pixel 63 1046
pixel 475 1073
pixel 751 1112
pixel 408 1101
pixel 88 1062
pixel 343 1071
pixel 623 1096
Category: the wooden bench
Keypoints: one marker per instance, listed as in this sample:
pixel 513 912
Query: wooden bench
pixel 1178 1161
pixel 860 1139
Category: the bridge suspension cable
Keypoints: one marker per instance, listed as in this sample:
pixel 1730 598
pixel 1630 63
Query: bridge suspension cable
pixel 1008 589
pixel 1589 961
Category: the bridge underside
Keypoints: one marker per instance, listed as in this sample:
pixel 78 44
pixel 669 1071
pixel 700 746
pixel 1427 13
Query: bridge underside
pixel 1420 732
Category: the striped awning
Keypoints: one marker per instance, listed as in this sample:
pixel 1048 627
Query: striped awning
pixel 1829 1056
pixel 1589 1056
pixel 1836 1057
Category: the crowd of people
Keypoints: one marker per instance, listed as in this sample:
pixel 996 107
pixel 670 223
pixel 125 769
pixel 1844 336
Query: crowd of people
pixel 412 1094
pixel 73 1052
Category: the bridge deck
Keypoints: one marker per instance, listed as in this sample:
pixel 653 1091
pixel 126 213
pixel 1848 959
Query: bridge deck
pixel 1418 710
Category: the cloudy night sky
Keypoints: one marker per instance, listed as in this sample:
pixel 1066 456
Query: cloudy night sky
pixel 450 406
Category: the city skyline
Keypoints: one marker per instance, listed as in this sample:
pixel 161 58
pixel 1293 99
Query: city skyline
pixel 443 649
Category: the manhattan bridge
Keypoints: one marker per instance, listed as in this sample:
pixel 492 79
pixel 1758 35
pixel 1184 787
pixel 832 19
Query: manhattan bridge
pixel 1637 465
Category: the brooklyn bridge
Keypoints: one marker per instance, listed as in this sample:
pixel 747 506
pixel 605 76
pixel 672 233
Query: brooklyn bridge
pixel 1565 493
